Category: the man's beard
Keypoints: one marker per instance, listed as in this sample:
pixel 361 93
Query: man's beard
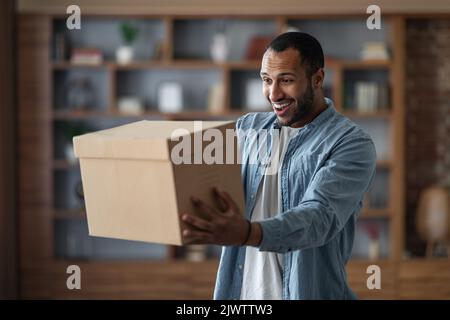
pixel 303 108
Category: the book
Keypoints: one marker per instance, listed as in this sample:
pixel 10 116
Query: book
pixel 370 96
pixel 374 51
pixel 89 56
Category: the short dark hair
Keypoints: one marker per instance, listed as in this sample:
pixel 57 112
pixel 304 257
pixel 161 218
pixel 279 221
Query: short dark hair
pixel 309 48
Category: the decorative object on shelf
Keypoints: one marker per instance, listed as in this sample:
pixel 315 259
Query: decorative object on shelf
pixel 69 154
pixel 254 98
pixel 72 129
pixel 86 56
pixel 79 193
pixel 125 53
pixel 170 97
pixel 196 253
pixel 130 105
pixel 79 94
pixel 159 50
pixel 366 200
pixel 374 236
pixel 288 28
pixel 216 98
pixel 257 47
pixel 433 219
pixel 219 47
pixel 374 51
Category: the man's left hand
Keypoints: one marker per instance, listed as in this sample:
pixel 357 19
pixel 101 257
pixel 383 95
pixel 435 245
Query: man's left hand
pixel 226 226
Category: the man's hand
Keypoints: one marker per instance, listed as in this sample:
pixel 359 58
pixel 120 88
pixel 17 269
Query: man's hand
pixel 226 226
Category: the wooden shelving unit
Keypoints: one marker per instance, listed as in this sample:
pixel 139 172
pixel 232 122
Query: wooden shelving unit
pixel 40 114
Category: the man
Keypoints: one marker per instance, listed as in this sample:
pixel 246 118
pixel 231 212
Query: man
pixel 303 216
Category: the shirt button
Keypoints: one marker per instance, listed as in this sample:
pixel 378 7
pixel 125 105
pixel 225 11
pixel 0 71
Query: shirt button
pixel 240 266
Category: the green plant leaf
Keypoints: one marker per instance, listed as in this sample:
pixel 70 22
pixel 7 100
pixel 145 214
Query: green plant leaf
pixel 129 32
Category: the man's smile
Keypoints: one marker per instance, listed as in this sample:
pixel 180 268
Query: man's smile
pixel 281 108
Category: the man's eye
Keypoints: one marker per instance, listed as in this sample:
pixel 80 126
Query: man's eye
pixel 266 80
pixel 287 80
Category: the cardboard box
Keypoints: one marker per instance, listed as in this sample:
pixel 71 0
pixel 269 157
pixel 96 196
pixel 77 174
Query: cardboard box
pixel 134 185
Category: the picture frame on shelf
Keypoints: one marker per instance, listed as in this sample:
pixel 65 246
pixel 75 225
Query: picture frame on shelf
pixel 254 98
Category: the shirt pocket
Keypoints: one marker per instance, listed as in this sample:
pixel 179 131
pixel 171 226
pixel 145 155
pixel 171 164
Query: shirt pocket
pixel 302 169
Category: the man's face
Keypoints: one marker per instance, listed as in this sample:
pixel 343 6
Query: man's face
pixel 286 86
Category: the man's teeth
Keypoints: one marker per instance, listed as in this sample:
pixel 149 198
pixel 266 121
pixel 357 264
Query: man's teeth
pixel 281 106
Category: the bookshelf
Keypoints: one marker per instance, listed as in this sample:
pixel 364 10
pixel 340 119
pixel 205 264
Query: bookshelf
pixel 175 48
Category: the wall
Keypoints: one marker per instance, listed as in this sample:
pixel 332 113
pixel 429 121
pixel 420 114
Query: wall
pixel 428 114
pixel 8 263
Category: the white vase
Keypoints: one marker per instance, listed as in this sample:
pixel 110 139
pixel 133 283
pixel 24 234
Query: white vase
pixel 374 250
pixel 219 48
pixel 124 54
pixel 70 154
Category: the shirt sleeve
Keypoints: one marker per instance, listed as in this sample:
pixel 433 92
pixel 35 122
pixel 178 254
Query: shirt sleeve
pixel 331 198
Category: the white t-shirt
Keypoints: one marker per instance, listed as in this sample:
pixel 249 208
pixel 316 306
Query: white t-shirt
pixel 263 270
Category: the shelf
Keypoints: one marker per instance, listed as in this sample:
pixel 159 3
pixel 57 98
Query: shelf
pixel 366 64
pixel 199 115
pixel 66 65
pixel 376 213
pixel 244 65
pixel 67 115
pixel 64 165
pixel 381 114
pixel 69 213
pixel 162 64
pixel 139 65
pixel 80 115
pixel 384 164
pixel 171 64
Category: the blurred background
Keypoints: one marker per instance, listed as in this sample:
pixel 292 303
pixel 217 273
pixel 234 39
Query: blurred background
pixel 200 60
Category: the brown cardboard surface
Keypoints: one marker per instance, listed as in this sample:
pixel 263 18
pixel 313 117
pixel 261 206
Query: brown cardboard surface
pixel 132 188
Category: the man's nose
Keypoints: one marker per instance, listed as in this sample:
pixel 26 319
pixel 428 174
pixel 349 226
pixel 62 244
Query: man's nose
pixel 276 93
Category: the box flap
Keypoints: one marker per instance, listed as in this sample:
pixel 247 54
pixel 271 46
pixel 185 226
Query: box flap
pixel 138 140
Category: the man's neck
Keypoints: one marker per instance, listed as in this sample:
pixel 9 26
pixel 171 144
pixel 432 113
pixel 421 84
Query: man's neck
pixel 320 105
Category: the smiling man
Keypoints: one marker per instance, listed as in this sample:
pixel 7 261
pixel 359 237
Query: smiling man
pixel 296 234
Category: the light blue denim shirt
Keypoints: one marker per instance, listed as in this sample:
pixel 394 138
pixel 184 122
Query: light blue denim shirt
pixel 328 166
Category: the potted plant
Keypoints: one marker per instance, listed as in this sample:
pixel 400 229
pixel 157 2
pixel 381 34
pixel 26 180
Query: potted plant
pixel 125 53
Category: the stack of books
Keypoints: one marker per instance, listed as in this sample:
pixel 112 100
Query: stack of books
pixel 374 51
pixel 86 56
pixel 370 96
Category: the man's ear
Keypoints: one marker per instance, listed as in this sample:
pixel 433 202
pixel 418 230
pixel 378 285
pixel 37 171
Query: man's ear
pixel 317 79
